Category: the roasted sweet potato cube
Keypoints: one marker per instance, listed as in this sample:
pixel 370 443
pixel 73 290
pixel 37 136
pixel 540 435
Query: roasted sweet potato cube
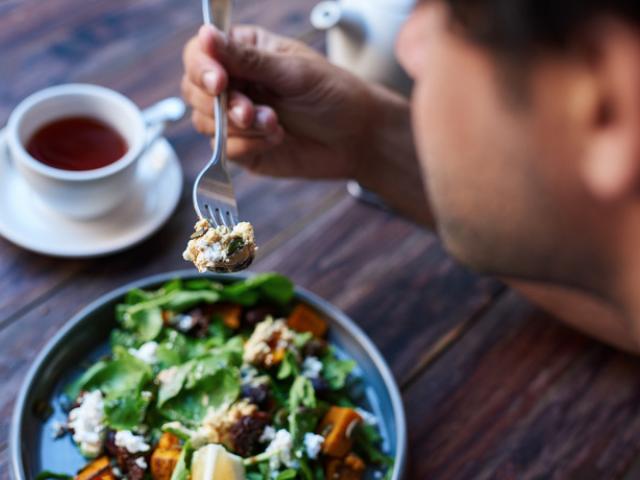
pixel 305 319
pixel 350 468
pixel 163 461
pixel 95 470
pixel 230 314
pixel 336 426
pixel 168 441
pixel 354 462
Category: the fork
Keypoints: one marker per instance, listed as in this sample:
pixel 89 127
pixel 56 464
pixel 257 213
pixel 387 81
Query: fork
pixel 213 196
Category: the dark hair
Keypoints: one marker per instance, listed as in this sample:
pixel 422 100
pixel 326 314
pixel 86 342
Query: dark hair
pixel 524 27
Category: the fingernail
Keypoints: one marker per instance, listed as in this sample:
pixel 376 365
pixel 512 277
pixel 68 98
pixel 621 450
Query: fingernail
pixel 237 114
pixel 262 119
pixel 210 81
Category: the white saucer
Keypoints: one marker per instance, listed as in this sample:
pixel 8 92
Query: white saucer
pixel 27 222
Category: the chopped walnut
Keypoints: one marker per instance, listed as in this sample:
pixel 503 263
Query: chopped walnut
pixel 268 343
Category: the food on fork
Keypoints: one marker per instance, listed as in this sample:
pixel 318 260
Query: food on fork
pixel 221 249
pixel 185 391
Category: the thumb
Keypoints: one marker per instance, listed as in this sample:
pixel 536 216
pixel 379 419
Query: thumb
pixel 240 55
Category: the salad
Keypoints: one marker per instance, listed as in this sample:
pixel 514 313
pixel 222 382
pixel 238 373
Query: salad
pixel 206 381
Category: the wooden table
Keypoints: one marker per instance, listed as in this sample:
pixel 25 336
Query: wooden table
pixel 493 387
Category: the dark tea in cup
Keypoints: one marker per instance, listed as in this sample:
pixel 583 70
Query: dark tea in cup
pixel 77 143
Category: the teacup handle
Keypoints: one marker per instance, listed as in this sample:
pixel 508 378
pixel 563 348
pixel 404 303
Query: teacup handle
pixel 156 118
pixel 158 115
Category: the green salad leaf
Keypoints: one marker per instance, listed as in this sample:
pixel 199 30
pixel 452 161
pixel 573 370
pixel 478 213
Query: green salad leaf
pixel 145 324
pixel 303 415
pixel 367 439
pixel 336 371
pixel 288 474
pixel 47 475
pixel 289 366
pixel 124 374
pixel 190 405
pixel 126 412
pixel 267 286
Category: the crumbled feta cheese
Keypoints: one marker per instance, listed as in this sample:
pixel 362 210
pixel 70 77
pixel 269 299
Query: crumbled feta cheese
pixel 184 323
pixel 268 434
pixel 221 248
pixel 248 373
pixel 142 463
pixel 146 352
pixel 313 444
pixel 311 367
pixel 268 338
pixel 86 422
pixel 58 429
pixel 367 417
pixel 116 471
pixel 131 442
pixel 280 450
pixel 212 253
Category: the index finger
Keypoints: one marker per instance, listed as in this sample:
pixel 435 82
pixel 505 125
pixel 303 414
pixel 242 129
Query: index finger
pixel 203 70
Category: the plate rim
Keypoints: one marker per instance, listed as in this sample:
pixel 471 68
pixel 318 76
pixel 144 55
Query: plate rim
pixel 20 407
pixel 161 220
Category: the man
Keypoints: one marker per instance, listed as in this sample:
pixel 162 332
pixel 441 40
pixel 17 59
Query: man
pixel 526 119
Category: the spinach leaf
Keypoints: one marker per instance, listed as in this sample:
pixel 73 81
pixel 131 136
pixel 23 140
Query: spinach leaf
pixel 182 300
pixel 173 382
pixel 144 324
pixel 138 295
pixel 267 286
pixel 124 374
pixel 47 475
pixel 122 338
pixel 191 404
pixel 366 442
pixel 202 284
pixel 126 412
pixel 167 356
pixel 289 366
pixel 287 474
pixel 336 371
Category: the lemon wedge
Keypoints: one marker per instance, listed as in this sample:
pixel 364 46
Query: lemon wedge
pixel 213 462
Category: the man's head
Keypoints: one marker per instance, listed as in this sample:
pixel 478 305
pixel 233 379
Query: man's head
pixel 527 120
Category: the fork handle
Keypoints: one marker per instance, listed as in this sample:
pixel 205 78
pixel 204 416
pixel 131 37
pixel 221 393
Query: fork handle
pixel 218 13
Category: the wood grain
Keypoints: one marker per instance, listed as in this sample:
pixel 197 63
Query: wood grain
pixel 521 396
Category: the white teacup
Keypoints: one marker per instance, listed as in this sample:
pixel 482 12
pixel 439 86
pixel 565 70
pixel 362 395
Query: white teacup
pixel 83 194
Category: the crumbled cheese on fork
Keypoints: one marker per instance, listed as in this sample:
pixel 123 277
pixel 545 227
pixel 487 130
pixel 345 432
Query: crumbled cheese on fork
pixel 221 249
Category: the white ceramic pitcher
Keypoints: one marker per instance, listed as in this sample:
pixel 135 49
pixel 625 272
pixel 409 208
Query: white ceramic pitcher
pixel 361 37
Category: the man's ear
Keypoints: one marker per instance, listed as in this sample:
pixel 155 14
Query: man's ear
pixel 611 159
